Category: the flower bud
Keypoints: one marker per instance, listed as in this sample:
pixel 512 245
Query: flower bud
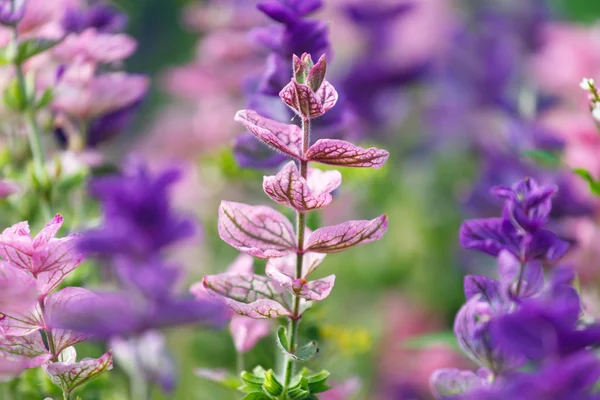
pixel 300 70
pixel 12 11
pixel 316 75
pixel 271 384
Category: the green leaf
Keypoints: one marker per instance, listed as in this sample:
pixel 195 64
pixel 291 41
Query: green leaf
pixel 306 352
pixel 45 99
pixel 251 382
pixel 33 47
pixel 317 383
pixel 543 157
pixel 303 353
pixel 428 340
pixel 272 385
pixel 298 390
pixel 282 341
pixel 257 396
pixel 14 97
pixel 592 183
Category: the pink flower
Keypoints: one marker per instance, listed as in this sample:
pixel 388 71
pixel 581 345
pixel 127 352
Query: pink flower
pixel 342 391
pixel 97 95
pixel 576 50
pixel 91 46
pixel 246 332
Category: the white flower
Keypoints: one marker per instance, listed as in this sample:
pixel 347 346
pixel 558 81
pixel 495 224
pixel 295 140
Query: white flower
pixel 587 84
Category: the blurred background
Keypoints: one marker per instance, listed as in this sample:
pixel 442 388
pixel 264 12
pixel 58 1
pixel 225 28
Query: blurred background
pixel 463 94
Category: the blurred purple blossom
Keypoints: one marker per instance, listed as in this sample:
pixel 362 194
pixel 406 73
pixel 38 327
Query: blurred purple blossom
pixel 138 226
pixel 100 16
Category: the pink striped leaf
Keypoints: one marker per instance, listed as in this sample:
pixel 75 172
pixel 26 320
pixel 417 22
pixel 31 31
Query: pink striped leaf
pixel 289 188
pixel 311 291
pixel 31 345
pixel 302 100
pixel 286 138
pixel 70 374
pixel 256 230
pixel 287 264
pixel 340 152
pixel 252 295
pixel 332 239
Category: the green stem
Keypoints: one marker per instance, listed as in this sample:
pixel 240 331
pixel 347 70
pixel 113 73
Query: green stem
pixel 33 131
pixel 239 361
pixel 300 232
pixel 66 395
pixel 49 336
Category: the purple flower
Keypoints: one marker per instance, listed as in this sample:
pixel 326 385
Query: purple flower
pixel 519 231
pixel 138 219
pixel 101 17
pixel 571 378
pixel 12 11
pixel 492 235
pixel 138 226
pixel 292 35
pixel 485 302
pixel 527 203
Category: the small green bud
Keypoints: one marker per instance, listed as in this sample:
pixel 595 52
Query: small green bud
pixel 272 385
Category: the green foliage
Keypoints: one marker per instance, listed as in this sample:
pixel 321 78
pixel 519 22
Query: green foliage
pixel 592 183
pixel 303 353
pixel 271 385
pixel 543 158
pixel 432 339
pixel 14 97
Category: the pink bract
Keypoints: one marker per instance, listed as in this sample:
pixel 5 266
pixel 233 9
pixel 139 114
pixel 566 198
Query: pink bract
pixel 332 239
pixel 292 190
pixel 18 289
pixel 311 291
pixel 286 138
pixel 250 295
pixel 256 230
pixel 69 373
pixel 287 264
pixel 246 332
pixel 340 152
pixel 47 257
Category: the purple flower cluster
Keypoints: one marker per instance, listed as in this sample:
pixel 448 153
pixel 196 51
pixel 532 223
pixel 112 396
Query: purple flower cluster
pixel 292 33
pixel 139 225
pixel 525 331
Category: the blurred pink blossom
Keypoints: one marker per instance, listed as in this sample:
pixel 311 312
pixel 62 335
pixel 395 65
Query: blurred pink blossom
pixel 342 391
pixel 403 366
pixel 84 97
pixel 91 46
pixel 576 50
